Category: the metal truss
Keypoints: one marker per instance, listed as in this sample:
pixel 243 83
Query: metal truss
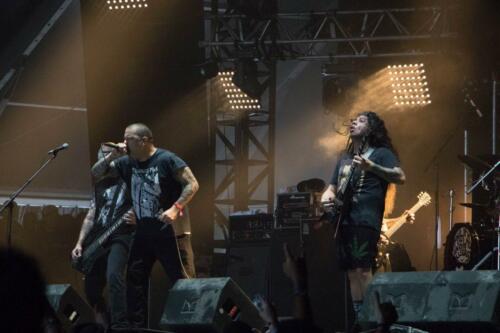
pixel 244 151
pixel 355 34
pixel 327 35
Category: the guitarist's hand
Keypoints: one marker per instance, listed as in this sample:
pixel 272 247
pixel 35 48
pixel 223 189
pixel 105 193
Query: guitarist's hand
pixel 77 252
pixel 363 163
pixel 327 196
pixel 410 217
pixel 129 217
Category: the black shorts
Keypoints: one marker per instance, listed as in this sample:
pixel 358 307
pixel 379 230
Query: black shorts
pixel 357 247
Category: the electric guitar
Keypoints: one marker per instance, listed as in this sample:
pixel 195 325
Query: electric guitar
pixel 424 199
pixel 382 261
pixel 94 247
pixel 335 210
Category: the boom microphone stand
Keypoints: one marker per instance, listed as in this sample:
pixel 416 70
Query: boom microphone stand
pixel 10 202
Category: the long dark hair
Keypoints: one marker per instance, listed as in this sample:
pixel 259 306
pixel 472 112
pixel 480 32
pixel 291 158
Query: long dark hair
pixel 378 135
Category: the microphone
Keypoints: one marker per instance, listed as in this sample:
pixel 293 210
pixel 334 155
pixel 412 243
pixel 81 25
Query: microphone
pixel 58 149
pixel 112 145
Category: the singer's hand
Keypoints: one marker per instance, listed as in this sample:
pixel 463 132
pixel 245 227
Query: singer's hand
pixel 169 215
pixel 117 152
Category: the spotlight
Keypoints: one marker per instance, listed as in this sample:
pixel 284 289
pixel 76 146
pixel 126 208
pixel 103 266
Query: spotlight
pixel 125 4
pixel 246 78
pixel 234 97
pixel 414 83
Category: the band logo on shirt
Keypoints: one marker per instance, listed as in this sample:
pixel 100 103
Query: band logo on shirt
pixel 146 191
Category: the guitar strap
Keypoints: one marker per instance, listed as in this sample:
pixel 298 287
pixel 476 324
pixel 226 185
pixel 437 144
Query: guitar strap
pixel 118 189
pixel 366 155
pixel 361 179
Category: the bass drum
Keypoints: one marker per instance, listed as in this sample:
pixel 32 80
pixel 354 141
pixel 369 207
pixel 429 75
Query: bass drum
pixel 465 246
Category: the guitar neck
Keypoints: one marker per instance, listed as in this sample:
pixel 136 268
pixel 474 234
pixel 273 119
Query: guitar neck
pixel 402 219
pixel 108 233
pixel 102 238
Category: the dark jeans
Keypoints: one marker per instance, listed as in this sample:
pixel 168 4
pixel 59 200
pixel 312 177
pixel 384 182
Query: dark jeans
pixel 187 255
pixel 110 268
pixel 146 249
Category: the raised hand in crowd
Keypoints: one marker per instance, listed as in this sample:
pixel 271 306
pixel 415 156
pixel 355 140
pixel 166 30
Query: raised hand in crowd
pixel 385 314
pixel 267 312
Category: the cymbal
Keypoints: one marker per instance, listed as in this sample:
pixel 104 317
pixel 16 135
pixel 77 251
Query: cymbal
pixel 473 205
pixel 311 185
pixel 485 208
pixel 474 162
pixel 490 159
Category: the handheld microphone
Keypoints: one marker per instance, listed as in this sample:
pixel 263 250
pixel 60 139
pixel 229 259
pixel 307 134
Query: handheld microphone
pixel 58 149
pixel 112 145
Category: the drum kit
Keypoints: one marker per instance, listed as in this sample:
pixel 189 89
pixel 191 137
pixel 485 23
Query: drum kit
pixel 470 246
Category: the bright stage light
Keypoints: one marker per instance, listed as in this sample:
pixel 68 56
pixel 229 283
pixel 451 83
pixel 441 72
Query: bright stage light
pixel 233 95
pixel 126 4
pixel 415 83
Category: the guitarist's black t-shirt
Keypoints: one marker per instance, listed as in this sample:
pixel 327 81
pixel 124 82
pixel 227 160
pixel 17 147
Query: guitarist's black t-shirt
pixel 111 200
pixel 368 202
pixel 153 187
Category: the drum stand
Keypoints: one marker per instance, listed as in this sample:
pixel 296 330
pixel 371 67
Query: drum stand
pixel 497 229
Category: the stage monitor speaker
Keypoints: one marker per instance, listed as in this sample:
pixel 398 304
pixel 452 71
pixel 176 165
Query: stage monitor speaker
pixel 208 305
pixel 400 329
pixel 248 265
pixel 69 307
pixel 462 301
pixel 258 268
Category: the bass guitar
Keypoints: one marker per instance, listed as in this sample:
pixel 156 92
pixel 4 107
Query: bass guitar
pixel 94 247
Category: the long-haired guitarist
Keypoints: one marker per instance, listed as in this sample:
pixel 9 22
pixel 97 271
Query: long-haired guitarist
pixel 371 153
pixel 106 262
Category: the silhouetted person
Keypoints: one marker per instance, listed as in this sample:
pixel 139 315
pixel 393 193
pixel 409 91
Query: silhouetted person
pixel 22 295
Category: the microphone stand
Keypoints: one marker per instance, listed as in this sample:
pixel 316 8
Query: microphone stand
pixel 10 202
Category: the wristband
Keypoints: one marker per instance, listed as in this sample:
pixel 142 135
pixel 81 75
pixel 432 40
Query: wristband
pixel 180 208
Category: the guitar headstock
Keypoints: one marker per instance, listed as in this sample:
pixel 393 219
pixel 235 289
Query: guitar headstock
pixel 424 198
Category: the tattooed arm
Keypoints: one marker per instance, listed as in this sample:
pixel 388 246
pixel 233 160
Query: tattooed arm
pixel 392 175
pixel 105 166
pixel 88 223
pixel 189 187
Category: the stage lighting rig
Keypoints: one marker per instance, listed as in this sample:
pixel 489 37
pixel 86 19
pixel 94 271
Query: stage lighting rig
pixel 127 4
pixel 245 77
pixel 235 98
pixel 409 85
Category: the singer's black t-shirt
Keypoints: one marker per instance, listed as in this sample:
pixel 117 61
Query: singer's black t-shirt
pixel 368 200
pixel 154 188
